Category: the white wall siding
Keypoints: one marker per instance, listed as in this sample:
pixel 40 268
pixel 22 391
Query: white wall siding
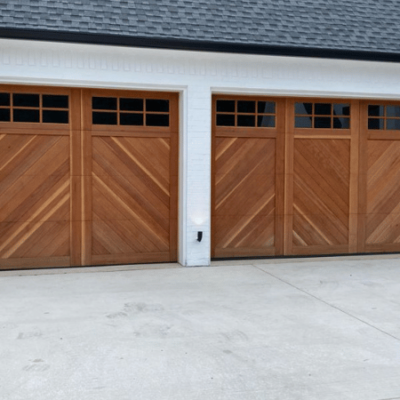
pixel 196 75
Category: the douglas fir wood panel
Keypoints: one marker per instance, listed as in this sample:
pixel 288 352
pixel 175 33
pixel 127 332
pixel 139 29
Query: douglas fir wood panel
pixel 323 163
pixel 131 195
pixel 288 187
pixel 87 177
pixel 248 177
pixel 35 177
pixel 321 193
pixel 381 185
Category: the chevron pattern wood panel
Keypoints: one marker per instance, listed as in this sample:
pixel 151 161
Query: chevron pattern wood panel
pixel 383 192
pixel 321 192
pixel 131 196
pixel 78 192
pixel 244 210
pixel 34 197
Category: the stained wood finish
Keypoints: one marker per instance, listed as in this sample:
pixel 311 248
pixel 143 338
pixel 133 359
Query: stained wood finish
pixel 379 195
pixel 321 193
pixel 383 192
pixel 248 189
pixel 35 191
pixel 244 208
pixel 319 173
pixel 74 194
pixel 130 198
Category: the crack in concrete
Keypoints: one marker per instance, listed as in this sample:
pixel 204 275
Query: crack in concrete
pixel 333 306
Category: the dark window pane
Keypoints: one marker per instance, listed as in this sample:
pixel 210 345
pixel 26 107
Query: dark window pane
pixel 55 101
pixel 266 121
pixel 376 111
pixel 393 111
pixel 393 124
pixel 267 107
pixel 303 122
pixel 341 123
pixel 341 109
pixel 102 118
pixel 322 122
pixel 26 115
pixel 247 106
pixel 303 108
pixel 4 114
pixel 131 104
pixel 157 120
pixel 158 106
pixel 55 117
pixel 374 123
pixel 323 109
pixel 25 100
pixel 225 105
pixel 4 99
pixel 104 103
pixel 246 120
pixel 225 120
pixel 131 119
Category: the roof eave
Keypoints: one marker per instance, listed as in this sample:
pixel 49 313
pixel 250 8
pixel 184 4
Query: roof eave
pixel 196 45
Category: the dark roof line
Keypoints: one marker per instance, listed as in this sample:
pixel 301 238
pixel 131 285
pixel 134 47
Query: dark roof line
pixel 196 45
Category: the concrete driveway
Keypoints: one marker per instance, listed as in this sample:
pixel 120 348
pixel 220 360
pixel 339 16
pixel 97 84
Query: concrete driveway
pixel 312 330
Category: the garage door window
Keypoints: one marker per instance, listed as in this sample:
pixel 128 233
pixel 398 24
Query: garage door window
pixel 322 115
pixel 130 111
pixel 382 117
pixel 34 108
pixel 245 113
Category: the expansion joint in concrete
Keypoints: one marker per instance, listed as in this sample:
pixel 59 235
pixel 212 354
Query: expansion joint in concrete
pixel 332 306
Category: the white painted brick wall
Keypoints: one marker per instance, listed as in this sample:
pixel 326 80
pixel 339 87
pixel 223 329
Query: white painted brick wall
pixel 196 185
pixel 196 75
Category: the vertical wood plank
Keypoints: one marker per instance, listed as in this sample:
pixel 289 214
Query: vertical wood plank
pixel 362 180
pixel 173 176
pixel 75 154
pixel 354 175
pixel 213 171
pixel 280 178
pixel 86 144
pixel 289 163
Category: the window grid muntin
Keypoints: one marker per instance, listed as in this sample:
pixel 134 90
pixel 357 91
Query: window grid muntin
pixel 241 115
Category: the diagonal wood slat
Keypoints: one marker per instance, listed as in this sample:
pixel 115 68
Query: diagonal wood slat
pixel 244 209
pixel 383 192
pixel 84 193
pixel 34 196
pixel 321 192
pixel 131 195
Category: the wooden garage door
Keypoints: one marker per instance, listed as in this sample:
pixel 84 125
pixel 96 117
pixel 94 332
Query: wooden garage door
pixel 287 181
pixel 37 166
pixel 380 177
pixel 248 177
pixel 87 177
pixel 321 189
pixel 130 172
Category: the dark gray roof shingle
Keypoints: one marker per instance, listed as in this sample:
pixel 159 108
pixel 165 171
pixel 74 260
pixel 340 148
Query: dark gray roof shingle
pixel 370 25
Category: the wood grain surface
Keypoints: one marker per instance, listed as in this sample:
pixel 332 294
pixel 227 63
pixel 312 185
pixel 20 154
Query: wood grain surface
pixel 80 195
pixel 336 191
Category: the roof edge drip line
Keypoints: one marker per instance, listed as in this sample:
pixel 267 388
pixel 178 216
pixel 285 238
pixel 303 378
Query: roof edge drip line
pixel 194 45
